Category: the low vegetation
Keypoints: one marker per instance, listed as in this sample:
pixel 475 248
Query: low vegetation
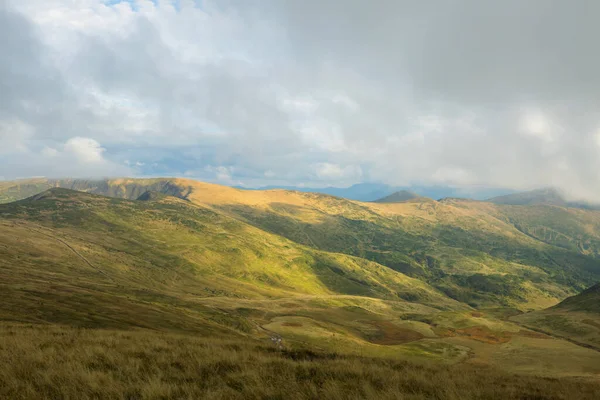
pixel 56 362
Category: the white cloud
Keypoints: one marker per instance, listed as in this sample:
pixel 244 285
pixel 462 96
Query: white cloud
pixel 85 149
pixel 254 86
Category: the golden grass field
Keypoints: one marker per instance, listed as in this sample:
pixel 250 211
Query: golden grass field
pixel 56 362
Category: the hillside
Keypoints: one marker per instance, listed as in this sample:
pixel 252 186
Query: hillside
pixel 586 301
pixel 525 257
pixel 189 267
pixel 576 318
pixel 79 259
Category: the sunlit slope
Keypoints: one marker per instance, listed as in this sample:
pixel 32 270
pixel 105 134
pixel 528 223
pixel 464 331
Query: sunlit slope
pixel 576 318
pixel 173 265
pixel 66 247
pixel 527 257
pixel 461 247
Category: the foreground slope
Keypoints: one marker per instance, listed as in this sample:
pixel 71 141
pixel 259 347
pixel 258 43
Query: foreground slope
pixel 41 362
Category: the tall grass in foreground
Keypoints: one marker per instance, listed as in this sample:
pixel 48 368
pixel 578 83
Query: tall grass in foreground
pixel 53 362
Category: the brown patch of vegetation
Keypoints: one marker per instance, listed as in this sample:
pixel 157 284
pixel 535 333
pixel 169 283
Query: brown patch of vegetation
pixel 390 334
pixel 477 314
pixel 52 362
pixel 484 334
pixel 292 324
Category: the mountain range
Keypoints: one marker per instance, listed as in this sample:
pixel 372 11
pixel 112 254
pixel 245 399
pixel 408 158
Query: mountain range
pixel 375 191
pixel 409 277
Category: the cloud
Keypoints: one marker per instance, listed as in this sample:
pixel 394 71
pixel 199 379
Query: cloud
pixel 85 150
pixel 463 92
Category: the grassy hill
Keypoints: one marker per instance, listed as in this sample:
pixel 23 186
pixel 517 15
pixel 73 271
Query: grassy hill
pixel 525 257
pixel 85 260
pixel 576 318
pixel 147 277
pixel 460 247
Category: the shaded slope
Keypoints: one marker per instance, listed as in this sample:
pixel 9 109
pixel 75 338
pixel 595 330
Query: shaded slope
pixel 586 301
pixel 120 188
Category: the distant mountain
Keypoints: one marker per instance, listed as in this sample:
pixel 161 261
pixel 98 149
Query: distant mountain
pixel 546 196
pixel 376 191
pixel 21 189
pixel 402 196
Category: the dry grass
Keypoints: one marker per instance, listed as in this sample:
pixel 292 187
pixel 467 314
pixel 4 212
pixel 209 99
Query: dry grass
pixel 52 362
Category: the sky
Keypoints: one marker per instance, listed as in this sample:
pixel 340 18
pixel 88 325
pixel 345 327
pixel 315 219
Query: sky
pixel 315 93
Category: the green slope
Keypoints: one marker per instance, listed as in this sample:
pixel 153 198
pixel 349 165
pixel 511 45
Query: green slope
pixel 466 251
pixel 75 258
pixel 525 257
pixel 576 318
pixel 168 264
